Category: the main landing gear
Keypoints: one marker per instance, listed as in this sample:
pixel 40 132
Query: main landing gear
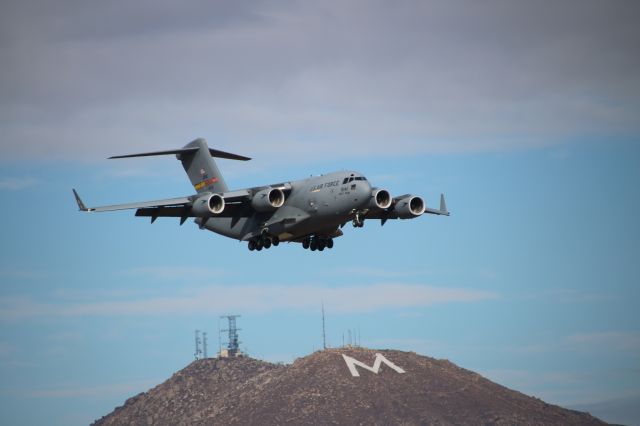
pixel 358 221
pixel 263 241
pixel 317 243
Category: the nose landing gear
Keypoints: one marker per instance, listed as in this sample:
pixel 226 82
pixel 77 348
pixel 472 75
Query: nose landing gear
pixel 358 221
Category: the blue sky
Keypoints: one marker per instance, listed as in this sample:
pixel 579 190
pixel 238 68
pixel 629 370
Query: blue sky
pixel 533 137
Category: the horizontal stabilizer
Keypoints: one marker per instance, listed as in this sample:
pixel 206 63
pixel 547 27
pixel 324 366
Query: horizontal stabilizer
pixel 214 153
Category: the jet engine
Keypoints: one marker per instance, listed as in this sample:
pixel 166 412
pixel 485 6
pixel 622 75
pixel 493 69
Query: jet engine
pixel 267 200
pixel 409 207
pixel 380 199
pixel 208 205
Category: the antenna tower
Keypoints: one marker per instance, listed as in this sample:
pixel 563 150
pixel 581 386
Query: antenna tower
pixel 233 344
pixel 198 350
pixel 324 338
pixel 204 344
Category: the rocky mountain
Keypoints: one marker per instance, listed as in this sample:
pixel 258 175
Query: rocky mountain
pixel 346 386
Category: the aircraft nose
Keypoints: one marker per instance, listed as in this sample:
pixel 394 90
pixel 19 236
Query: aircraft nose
pixel 365 190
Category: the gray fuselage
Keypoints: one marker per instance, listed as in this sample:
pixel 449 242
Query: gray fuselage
pixel 315 206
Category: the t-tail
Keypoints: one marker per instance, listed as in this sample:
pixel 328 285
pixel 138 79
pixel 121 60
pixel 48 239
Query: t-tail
pixel 197 159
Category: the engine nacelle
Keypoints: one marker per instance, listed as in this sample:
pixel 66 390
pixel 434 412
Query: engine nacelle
pixel 208 205
pixel 380 199
pixel 267 200
pixel 410 207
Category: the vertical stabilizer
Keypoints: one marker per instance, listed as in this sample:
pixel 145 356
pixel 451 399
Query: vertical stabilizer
pixel 202 170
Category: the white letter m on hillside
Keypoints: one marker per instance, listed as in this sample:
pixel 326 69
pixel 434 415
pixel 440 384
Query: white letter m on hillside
pixel 352 362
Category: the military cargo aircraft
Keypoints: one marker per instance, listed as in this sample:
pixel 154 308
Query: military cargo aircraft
pixel 310 211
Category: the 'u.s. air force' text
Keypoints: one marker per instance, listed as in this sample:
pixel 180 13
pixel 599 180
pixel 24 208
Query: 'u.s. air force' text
pixel 318 187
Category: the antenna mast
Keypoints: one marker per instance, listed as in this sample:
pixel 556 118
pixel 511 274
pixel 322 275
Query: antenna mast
pixel 198 350
pixel 324 338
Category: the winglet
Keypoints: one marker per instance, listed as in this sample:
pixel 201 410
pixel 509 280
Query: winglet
pixel 81 205
pixel 443 206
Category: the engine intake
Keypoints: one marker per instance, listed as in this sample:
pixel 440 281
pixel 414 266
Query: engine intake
pixel 380 199
pixel 410 207
pixel 208 205
pixel 267 200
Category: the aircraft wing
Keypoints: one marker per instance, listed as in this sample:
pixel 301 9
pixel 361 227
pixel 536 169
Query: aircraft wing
pixel 170 207
pixel 144 204
pixel 237 204
pixel 391 213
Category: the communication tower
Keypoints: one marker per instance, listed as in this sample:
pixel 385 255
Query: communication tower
pixel 233 344
pixel 204 344
pixel 324 337
pixel 198 352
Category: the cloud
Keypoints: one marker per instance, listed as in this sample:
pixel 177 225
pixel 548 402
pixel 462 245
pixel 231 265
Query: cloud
pixel 19 273
pixel 570 295
pixel 83 392
pixel 17 184
pixel 432 348
pixel 327 77
pixel 6 350
pixel 177 272
pixel 368 271
pixel 620 340
pixel 522 379
pixel 617 340
pixel 250 298
pixel 561 387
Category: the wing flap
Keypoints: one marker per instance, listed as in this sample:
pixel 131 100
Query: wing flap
pixel 230 210
pixel 170 211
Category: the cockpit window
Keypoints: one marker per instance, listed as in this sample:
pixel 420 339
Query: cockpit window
pixel 352 178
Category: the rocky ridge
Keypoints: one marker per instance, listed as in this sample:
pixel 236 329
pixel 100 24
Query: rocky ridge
pixel 320 389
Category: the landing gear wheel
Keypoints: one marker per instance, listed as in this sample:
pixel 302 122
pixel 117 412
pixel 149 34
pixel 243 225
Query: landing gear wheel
pixel 330 243
pixel 267 243
pixel 358 221
pixel 275 241
pixel 321 244
pixel 258 245
pixel 313 245
pixel 251 245
pixel 305 243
